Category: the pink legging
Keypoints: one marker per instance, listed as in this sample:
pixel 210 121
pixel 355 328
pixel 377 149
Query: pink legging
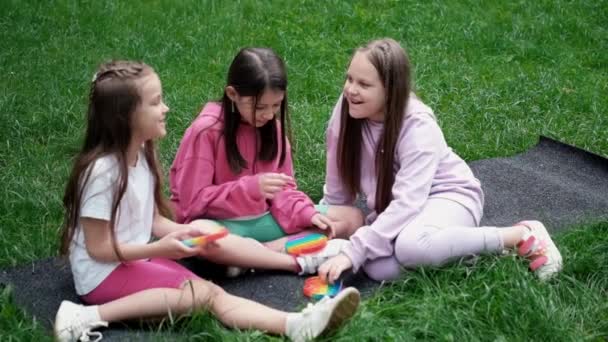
pixel 135 276
pixel 444 231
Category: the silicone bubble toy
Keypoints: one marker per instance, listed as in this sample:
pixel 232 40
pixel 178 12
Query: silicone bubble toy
pixel 305 243
pixel 316 288
pixel 204 239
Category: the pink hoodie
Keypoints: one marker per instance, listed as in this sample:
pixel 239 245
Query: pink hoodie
pixel 203 186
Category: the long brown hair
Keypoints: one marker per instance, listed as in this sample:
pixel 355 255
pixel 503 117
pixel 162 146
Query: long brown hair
pixel 393 66
pixel 114 97
pixel 253 71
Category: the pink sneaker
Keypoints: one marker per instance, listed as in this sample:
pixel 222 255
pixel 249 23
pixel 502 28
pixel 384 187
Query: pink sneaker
pixel 538 247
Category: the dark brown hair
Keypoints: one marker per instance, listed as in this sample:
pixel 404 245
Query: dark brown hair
pixel 114 98
pixel 393 66
pixel 253 71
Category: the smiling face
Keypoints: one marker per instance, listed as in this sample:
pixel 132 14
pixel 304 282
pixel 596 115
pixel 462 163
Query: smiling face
pixel 364 90
pixel 257 113
pixel 149 117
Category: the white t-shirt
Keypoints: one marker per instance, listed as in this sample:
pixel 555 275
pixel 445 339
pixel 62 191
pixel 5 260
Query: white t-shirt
pixel 134 217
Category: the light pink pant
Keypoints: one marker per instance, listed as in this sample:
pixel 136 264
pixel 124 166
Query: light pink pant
pixel 444 231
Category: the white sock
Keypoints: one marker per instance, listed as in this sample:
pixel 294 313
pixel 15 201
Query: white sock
pixel 292 322
pixel 301 265
pixel 91 312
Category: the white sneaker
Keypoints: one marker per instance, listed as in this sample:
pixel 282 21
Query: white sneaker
pixel 322 317
pixel 310 263
pixel 539 248
pixel 74 322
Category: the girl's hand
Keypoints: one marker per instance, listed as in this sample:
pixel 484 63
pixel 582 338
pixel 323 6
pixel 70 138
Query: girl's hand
pixel 325 223
pixel 172 247
pixel 206 227
pixel 271 183
pixel 330 270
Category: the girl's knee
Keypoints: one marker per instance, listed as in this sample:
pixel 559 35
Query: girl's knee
pixel 355 217
pixel 208 226
pixel 350 218
pixel 412 250
pixel 202 291
pixel 276 245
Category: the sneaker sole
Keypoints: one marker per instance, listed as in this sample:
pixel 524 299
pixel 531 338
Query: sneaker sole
pixel 348 301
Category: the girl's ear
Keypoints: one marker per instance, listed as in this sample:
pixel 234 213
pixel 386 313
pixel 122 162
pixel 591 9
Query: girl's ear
pixel 231 93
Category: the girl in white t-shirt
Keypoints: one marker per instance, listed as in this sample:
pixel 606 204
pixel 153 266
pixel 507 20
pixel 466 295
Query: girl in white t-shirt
pixel 114 205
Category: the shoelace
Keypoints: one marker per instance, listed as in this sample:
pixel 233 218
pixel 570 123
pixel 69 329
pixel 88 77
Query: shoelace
pixel 539 246
pixel 310 307
pixel 88 333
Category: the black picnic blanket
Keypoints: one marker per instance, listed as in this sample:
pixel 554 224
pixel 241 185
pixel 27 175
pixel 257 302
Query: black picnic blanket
pixel 558 184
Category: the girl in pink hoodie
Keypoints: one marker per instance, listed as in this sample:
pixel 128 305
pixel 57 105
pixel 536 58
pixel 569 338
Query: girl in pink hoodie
pixel 234 165
pixel 425 202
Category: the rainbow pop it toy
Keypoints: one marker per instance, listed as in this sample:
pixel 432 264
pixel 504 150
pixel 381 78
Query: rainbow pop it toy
pixel 305 243
pixel 316 288
pixel 204 239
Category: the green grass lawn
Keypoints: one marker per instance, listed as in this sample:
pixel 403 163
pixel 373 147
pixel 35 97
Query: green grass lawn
pixel 497 73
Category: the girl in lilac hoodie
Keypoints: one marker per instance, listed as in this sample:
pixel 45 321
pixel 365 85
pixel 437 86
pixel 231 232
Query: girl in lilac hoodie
pixel 234 166
pixel 384 145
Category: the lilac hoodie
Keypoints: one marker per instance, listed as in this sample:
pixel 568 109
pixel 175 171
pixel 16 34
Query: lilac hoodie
pixel 203 185
pixel 425 167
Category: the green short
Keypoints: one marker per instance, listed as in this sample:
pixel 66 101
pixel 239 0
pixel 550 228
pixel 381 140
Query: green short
pixel 264 228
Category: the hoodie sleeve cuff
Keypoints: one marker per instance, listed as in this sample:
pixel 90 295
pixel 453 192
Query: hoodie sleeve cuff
pixel 304 220
pixel 307 215
pixel 355 256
